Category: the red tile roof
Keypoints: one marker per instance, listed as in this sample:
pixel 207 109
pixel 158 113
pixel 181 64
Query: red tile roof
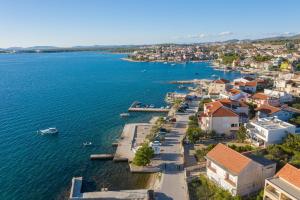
pixel 221 81
pixel 261 96
pixel 224 112
pixel 216 109
pixel 229 102
pixel 228 158
pixel 234 91
pixel 268 109
pixel 251 83
pixel 290 174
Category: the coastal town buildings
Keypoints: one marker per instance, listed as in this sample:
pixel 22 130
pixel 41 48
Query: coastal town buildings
pixel 270 130
pixel 219 118
pixel 283 113
pixel 285 185
pixel 240 174
pixel 263 99
pixel 218 86
pixel 283 96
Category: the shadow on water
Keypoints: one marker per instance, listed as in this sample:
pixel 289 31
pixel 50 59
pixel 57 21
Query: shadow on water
pixel 115 176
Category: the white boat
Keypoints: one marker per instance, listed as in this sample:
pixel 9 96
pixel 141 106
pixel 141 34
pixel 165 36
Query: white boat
pixel 124 115
pixel 87 143
pixel 48 131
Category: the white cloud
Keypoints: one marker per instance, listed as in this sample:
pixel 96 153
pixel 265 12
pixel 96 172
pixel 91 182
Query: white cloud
pixel 190 36
pixel 225 33
pixel 197 36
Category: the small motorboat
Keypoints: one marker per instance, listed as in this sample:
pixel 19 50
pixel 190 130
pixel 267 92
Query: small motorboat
pixel 48 131
pixel 124 115
pixel 87 143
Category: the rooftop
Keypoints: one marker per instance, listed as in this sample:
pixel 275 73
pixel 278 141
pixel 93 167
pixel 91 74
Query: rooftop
pixel 259 159
pixel 228 158
pixel 283 185
pixel 290 174
pixel 268 109
pixel 271 123
pixel 261 96
pixel 216 109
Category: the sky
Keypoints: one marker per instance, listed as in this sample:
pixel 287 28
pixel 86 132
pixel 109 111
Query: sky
pixel 68 23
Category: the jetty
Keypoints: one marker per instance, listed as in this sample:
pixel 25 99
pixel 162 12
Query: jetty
pixel 133 135
pixel 194 81
pixel 77 193
pixel 102 156
pixel 135 107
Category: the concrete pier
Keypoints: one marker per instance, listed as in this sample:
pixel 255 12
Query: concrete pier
pixel 148 109
pixel 133 135
pixel 134 108
pixel 102 156
pixel 76 194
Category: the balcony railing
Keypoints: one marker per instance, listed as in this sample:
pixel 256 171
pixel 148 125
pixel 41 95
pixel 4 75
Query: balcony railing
pixel 272 192
pixel 212 169
pixel 230 182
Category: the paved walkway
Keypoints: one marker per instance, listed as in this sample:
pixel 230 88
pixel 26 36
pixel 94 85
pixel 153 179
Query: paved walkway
pixel 173 183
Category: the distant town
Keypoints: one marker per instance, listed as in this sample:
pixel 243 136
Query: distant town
pixel 220 139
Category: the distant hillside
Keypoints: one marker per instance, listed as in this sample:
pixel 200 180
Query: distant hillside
pixel 294 37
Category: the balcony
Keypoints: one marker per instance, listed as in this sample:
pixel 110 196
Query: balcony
pixel 271 192
pixel 212 169
pixel 230 182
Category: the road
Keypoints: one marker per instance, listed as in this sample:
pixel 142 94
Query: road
pixel 173 183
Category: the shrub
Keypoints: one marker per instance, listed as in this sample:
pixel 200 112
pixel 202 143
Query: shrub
pixel 194 134
pixel 143 155
pixel 241 134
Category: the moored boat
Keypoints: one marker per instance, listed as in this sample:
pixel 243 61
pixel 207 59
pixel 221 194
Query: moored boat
pixel 124 115
pixel 48 131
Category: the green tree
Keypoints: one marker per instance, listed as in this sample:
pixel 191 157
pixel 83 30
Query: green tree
pixel 211 134
pixel 298 67
pixel 194 134
pixel 202 102
pixel 241 134
pixel 193 121
pixel 296 105
pixel 143 155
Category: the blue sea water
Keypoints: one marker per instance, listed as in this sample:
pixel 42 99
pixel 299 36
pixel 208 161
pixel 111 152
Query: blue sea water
pixel 82 94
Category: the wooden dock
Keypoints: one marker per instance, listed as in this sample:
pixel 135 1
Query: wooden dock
pixel 102 156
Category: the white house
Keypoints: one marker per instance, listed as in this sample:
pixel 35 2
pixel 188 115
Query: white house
pixel 283 113
pixel 217 117
pixel 285 185
pixel 240 174
pixel 268 130
pixel 283 96
pixel 218 86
